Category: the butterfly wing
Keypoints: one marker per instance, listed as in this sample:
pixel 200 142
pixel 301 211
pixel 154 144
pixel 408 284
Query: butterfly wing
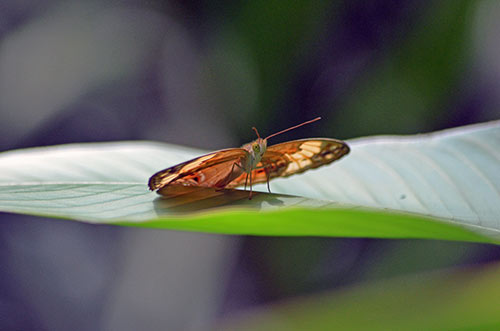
pixel 211 170
pixel 293 157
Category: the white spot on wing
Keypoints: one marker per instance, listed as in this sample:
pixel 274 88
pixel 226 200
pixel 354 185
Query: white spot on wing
pixel 312 146
pixel 292 167
pixel 306 153
pixel 305 162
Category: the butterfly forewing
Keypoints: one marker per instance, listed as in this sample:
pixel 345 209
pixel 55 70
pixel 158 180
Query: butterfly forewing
pixel 293 157
pixel 211 170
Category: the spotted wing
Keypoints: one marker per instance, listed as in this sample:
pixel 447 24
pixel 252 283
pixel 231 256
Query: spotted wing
pixel 293 157
pixel 211 170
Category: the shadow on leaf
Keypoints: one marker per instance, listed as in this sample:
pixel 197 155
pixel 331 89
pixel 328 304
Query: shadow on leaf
pixel 178 199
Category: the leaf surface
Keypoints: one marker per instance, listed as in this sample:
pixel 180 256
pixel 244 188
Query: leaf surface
pixel 443 185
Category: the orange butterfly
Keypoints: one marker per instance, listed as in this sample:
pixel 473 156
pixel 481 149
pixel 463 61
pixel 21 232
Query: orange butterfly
pixel 254 161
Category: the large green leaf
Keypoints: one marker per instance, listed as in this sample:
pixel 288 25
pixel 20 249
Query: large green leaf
pixel 407 187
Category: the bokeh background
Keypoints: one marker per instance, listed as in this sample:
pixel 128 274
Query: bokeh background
pixel 201 74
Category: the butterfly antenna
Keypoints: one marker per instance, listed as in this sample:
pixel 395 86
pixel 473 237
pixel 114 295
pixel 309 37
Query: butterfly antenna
pixel 257 132
pixel 293 127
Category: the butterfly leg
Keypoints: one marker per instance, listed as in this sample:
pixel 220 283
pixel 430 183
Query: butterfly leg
pixel 246 180
pixel 267 178
pixel 266 169
pixel 250 196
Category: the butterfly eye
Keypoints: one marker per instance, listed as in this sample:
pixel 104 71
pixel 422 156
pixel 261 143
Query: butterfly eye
pixel 256 147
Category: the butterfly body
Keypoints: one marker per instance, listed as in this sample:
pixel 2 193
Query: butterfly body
pixel 253 163
pixel 256 149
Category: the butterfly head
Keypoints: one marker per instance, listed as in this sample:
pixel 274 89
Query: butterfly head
pixel 258 146
pixel 256 149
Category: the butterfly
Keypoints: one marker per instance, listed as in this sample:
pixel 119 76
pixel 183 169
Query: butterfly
pixel 253 163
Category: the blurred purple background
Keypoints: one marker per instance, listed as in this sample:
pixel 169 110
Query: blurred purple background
pixel 202 74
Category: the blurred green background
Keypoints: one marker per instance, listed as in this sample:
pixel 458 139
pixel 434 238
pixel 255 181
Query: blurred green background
pixel 202 73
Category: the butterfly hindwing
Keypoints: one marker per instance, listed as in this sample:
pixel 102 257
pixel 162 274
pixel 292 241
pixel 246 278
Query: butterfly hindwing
pixel 293 157
pixel 211 170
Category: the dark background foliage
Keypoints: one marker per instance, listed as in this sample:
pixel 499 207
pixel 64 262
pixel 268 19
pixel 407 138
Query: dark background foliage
pixel 202 73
